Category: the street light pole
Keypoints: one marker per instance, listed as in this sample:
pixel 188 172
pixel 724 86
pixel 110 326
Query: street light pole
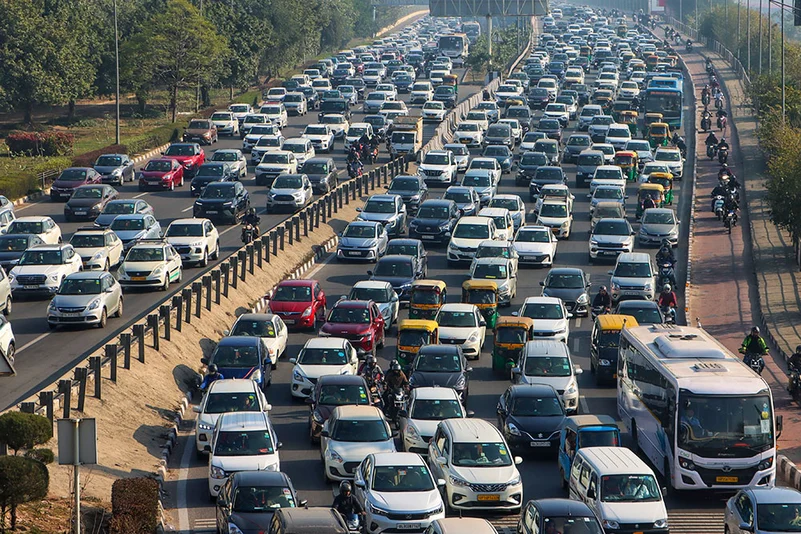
pixel 770 39
pixel 748 31
pixel 760 38
pixel 784 105
pixel 739 31
pixel 117 68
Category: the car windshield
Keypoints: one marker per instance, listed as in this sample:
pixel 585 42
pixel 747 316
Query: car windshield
pixel 377 294
pixel 481 455
pixel 533 236
pixel 651 168
pixel 609 174
pixel 41 257
pixel 145 254
pixel 549 173
pixel 262 130
pixel 14 244
pixel 80 286
pixel 119 208
pixel 608 193
pixel 316 130
pixel 658 217
pixel 667 155
pixel 499 131
pixel 295 148
pixel 180 150
pixel 315 167
pixel 547 366
pixel 379 206
pixel 95 240
pixel 232 402
pixel 254 328
pixel 185 230
pixel 638 145
pixel 402 249
pixel 244 443
pixel 584 525
pixel 629 488
pixel 629 269
pixel 468 127
pixel 402 479
pixel 435 159
pixel 288 181
pixel 253 499
pixel 779 517
pixel 199 125
pixel 618 132
pixel 436 409
pixel 457 319
pixel 393 268
pixel 322 356
pixel 437 362
pixel 553 210
pixel 291 293
pixel 542 310
pixel 546 147
pixel 109 161
pixel 360 430
pixel 471 231
pixel 127 224
pixel 358 230
pixel 564 281
pixel 612 228
pixel 72 175
pixel 536 407
pixel 345 315
pixel 531 159
pixel 539 92
pixel 476 116
pixel 433 212
pixel 343 394
pixel 236 356
pixel 490 271
pixel 225 156
pixel 579 141
pixel 476 180
pixel 491 151
pixel 270 141
pixel 211 170
pixel 460 197
pixel 221 116
pixel 492 251
pixel 275 158
pixel 218 191
pixel 243 108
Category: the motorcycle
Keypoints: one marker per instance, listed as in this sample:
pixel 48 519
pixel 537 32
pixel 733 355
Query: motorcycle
pixel 711 151
pixel 599 310
pixel 355 169
pixel 722 122
pixel 706 122
pixel 795 385
pixel 354 524
pixel 678 141
pixel 248 233
pixel 755 361
pixel 666 274
pixel 730 220
pixel 689 47
pixel 669 313
pixel 723 155
pixel 718 205
pixel 397 402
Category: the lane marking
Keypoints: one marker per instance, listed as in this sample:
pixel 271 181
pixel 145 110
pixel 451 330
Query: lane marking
pixel 140 195
pixel 578 322
pixel 33 341
pixel 187 209
pixel 183 476
pixel 575 345
pixel 583 402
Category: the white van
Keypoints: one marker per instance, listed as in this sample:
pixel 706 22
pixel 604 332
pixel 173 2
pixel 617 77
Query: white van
pixel 620 489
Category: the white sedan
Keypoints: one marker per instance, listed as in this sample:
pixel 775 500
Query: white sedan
pixel 268 327
pixel 535 245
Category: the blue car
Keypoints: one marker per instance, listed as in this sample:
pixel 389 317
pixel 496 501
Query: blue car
pixel 400 271
pixel 502 154
pixel 435 220
pixel 243 357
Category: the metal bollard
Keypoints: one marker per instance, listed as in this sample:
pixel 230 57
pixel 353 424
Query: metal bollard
pixel 281 232
pixel 288 230
pixel 305 217
pixel 405 165
pixel 139 334
pixel 153 322
pixel 250 251
pixel 257 246
pixel 385 174
pixel 178 304
pixel 197 289
pixel 27 407
pixel 81 374
pixel 332 202
pixel 296 225
pixel 225 269
pixel 215 276
pixel 274 234
pixel 242 256
pixel 186 293
pixel 96 365
pixel 339 198
pixel 46 400
pixel 164 311
pixel 207 288
pixel 352 191
pixel 234 261
pixel 65 390
pixel 359 181
pixel 111 354
pixel 125 341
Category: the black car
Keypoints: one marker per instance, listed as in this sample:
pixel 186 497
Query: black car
pixel 379 124
pixel 645 311
pixel 322 173
pixel 576 143
pixel 435 221
pixel 538 98
pixel 570 284
pixel 551 127
pixel 412 189
pixel 545 175
pixel 531 416
pixel 312 99
pixel 400 271
pixel 88 201
pixel 413 248
pixel 446 94
pixel 222 200
pixel 443 366
pixel 332 391
pixel 248 499
pixel 220 171
pixel 13 245
pixel 527 166
pixel 558 515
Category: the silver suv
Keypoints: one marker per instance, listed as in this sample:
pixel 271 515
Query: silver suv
pixel 85 298
pixel 610 238
pixel 633 277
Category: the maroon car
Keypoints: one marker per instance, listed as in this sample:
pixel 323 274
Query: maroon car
pixel 300 303
pixel 189 155
pixel 358 321
pixel 71 179
pixel 162 173
pixel 332 391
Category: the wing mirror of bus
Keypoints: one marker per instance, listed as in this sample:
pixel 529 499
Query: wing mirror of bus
pixel 779 425
pixel 591 494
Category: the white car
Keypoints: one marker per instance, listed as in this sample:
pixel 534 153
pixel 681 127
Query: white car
pixel 434 111
pixel 382 294
pixel 460 155
pixel 479 117
pixel 503 222
pixel 472 456
pixel 397 492
pixel 8 342
pixel 550 317
pixel 240 111
pixel 355 132
pixel 276 94
pixel 514 204
pixel 273 164
pixel 257 132
pixel 389 90
pixel 558 112
pixel 506 91
pixel 491 109
pixel 268 327
pixel 296 104
pixel 468 235
pixel 223 396
pixel 421 92
pixel 44 227
pixel 491 165
pixel 276 113
pixel 517 130
pixel 427 406
pixel 618 135
pixel 349 435
pixel 629 89
pixel 374 101
pixel 226 123
pixel 150 264
pixel 394 109
pixel 338 124
pixel 302 148
pixel 42 268
pixel 548 361
pixel 293 191
pixel 242 441
pixel 535 245
pixel 99 248
pixel 560 191
pixel 321 137
pixel 438 167
pixel 462 324
pixel 607 175
pixel 195 240
pixel 235 157
pixel 670 157
pixel 265 143
pixel 556 215
pixel 321 356
pixel 500 271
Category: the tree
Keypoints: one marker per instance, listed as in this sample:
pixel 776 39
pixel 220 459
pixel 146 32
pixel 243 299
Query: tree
pixel 22 480
pixel 178 48
pixel 21 430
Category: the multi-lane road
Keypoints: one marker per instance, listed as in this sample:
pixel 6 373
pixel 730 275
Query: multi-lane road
pixel 188 490
pixel 43 355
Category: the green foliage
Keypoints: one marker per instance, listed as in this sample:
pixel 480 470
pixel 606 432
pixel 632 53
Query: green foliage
pixel 21 430
pixel 46 456
pixel 22 480
pixel 134 506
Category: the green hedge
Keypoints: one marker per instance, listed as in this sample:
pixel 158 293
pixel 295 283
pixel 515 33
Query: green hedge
pixel 24 181
pixel 134 506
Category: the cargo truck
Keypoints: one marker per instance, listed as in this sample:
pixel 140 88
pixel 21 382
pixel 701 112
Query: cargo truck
pixel 407 136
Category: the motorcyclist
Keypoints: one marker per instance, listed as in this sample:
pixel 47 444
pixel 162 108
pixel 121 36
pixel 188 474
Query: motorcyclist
pixel 667 298
pixel 753 346
pixel 353 153
pixel 602 299
pixel 680 144
pixel 346 504
pixel 364 140
pixel 394 380
pixel 719 190
pixel 371 371
pixel 648 203
pixel 636 102
pixel 485 95
pixel 711 139
pixel 665 254
pixel 212 375
pixel 723 144
pixel 794 366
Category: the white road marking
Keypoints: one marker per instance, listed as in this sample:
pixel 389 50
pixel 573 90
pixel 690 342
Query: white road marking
pixel 187 209
pixel 575 345
pixel 33 341
pixel 578 322
pixel 583 402
pixel 140 195
pixel 183 474
pixel 314 271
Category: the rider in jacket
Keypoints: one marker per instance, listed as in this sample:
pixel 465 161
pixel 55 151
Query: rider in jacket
pixel 667 298
pixel 602 299
pixel 394 380
pixel 212 375
pixel 346 504
pixel 794 366
pixel 753 346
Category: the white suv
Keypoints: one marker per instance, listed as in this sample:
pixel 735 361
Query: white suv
pixel 321 356
pixel 547 361
pixel 196 240
pixel 438 167
pixel 42 268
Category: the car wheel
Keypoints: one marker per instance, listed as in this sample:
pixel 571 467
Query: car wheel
pixel 103 319
pixel 11 351
pixel 119 309
pixel 216 255
pixel 107 266
pixel 172 185
pixel 205 261
pixel 7 309
pixel 166 285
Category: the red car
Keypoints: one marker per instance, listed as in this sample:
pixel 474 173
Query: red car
pixel 71 179
pixel 358 321
pixel 189 155
pixel 161 173
pixel 300 303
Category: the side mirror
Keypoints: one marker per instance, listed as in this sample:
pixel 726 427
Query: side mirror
pixel 577 369
pixel 358 209
pixel 196 409
pixel 518 460
pixel 542 283
pixel 515 370
pixel 395 435
pixel 359 482
pixel 370 273
pixel 515 314
pixel 325 433
pixel 226 332
pixel 745 527
pixel 470 414
pixel 204 361
pixel 441 460
pixel 293 360
pixel 207 448
pixel 279 445
pixel 779 424
pixel 482 322
pixel 441 482
pixel 569 315
pixel 468 370
pixel 610 273
pixel 303 502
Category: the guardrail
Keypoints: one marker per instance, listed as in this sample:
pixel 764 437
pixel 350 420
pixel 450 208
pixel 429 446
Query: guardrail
pixel 209 290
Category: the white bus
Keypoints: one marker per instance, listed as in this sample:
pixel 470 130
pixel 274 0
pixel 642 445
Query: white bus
pixel 472 30
pixel 455 46
pixel 700 415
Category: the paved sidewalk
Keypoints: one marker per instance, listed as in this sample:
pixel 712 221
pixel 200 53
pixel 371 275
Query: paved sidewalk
pixel 730 289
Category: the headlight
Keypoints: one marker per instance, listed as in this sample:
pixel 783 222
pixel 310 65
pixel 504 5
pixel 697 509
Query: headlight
pixel 456 481
pixel 334 456
pixel 661 523
pixel 376 510
pixel 54 277
pixel 473 337
pixel 613 525
pixel 306 312
pixel 97 207
pixel 572 390
pixel 604 363
pixel 412 433
pixel 317 416
pixel 615 286
pixel 565 224
pixel 593 243
pixel 94 304
pixel 205 426
pixel 765 464
pixel 515 481
pixel 98 255
pixel 513 430
pixel 217 472
pixel 648 286
pixel 298 376
pixel 116 172
pixel 256 376
pixel 52 305
pixel 583 299
pixel 233 529
pixel 157 271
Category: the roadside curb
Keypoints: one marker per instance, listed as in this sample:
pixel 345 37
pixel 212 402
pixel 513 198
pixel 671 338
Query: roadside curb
pixel 789 471
pixel 147 155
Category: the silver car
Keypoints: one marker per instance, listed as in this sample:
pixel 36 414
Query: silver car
pixel 362 240
pixel 293 191
pixel 762 510
pixel 658 224
pixel 389 210
pixel 85 298
pixel 235 157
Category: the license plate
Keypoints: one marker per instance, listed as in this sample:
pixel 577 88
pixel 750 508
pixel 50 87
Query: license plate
pixel 289 321
pixel 139 278
pixel 727 479
pixel 408 526
pixel 489 497
pixel 211 211
pixel 465 141
pixel 31 287
pixel 630 293
pixel 154 183
pixel 354 253
pixel 70 314
pixel 540 443
pixel 427 236
pixel 555 230
pixel 80 213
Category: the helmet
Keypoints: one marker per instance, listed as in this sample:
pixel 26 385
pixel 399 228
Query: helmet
pixel 212 368
pixel 371 360
pixel 755 330
pixel 722 139
pixel 344 487
pixel 724 166
pixel 666 288
pixel 798 348
pixel 603 288
pixel 252 211
pixel 395 366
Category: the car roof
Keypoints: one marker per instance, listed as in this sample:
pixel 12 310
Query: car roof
pixel 492 212
pixel 191 220
pixel 474 220
pixel 457 307
pixel 372 284
pixel 341 380
pixel 360 413
pixel 492 261
pixel 239 341
pixel 615 460
pixel 132 216
pixel 399 258
pixel 397 459
pixel 87 275
pixel 639 257
pixel 298 283
pixel 533 390
pixel 233 385
pixel 243 421
pixel 406 241
pixel 32 218
pixel 471 430
pixel 312 520
pixel 365 223
pixel 325 343
pixel 261 478
pixel 355 304
pixel 563 507
pixel 434 393
pixel 638 304
pixel 542 300
pixel 775 495
pixel 46 246
pixel 566 270
pixel 458 525
pixel 255 317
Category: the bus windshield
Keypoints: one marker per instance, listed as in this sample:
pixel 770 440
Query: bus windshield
pixel 667 103
pixel 736 426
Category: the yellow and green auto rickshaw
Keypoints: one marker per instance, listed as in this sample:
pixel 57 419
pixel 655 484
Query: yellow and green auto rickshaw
pixel 511 334
pixel 413 334
pixel 658 134
pixel 651 62
pixel 629 118
pixel 655 191
pixel 451 79
pixel 651 118
pixel 620 106
pixel 427 297
pixel 665 179
pixel 628 162
pixel 484 294
pixel 586 51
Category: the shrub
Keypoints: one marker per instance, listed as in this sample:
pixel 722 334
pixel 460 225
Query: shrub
pixel 21 430
pixel 156 138
pixel 134 506
pixel 46 456
pixel 50 143
pixel 22 480
pixel 87 159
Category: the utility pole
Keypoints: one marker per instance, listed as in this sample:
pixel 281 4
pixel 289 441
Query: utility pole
pixel 489 43
pixel 770 39
pixel 76 475
pixel 739 32
pixel 760 38
pixel 117 68
pixel 748 31
pixel 696 17
pixel 681 8
pixel 197 89
pixel 784 104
